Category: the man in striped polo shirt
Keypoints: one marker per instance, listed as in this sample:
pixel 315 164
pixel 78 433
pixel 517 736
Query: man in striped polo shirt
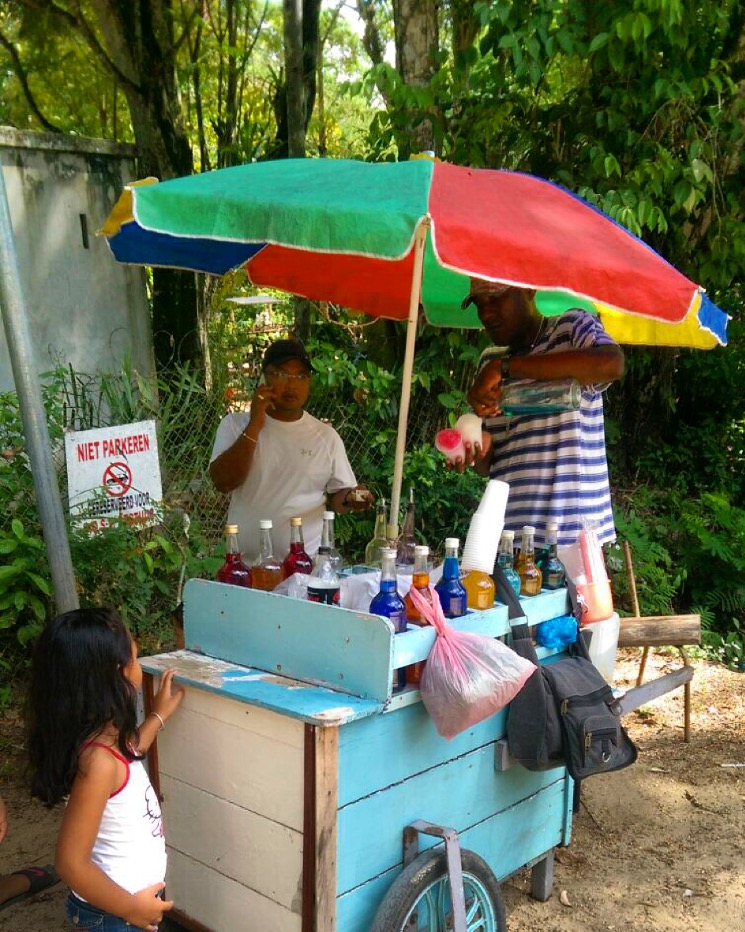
pixel 555 464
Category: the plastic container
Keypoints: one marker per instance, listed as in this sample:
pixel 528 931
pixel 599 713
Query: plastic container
pixel 450 443
pixel 598 601
pixel 470 428
pixel 604 645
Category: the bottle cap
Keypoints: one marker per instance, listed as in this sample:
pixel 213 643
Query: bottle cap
pixel 552 526
pixel 422 549
pixel 265 524
pixel 296 522
pixel 388 551
pixel 510 535
pixel 329 514
pixel 231 528
pixel 528 529
pixel 452 542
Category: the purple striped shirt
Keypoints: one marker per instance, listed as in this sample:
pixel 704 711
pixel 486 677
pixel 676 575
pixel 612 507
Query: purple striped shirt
pixel 555 465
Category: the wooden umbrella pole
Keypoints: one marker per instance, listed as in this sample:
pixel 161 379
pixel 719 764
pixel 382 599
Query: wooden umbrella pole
pixel 403 412
pixel 635 606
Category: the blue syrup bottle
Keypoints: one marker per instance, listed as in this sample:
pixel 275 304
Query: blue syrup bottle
pixel 506 557
pixel 390 605
pixel 452 593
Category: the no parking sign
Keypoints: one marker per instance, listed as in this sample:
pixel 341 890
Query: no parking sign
pixel 113 472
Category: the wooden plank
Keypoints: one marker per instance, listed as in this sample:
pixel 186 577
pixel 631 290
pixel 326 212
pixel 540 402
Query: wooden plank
pixel 309 830
pixel 348 651
pixel 326 842
pixel 459 794
pixel 222 904
pixel 253 850
pixel 385 749
pixel 648 692
pixel 660 631
pixel 248 767
pixel 502 840
pixel 299 699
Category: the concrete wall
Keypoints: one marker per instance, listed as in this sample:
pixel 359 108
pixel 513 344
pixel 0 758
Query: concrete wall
pixel 84 308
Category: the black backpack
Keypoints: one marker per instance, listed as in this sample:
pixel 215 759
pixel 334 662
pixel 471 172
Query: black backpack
pixel 565 714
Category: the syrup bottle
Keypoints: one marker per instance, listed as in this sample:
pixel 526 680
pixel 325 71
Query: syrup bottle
pixel 554 573
pixel 450 589
pixel 297 560
pixel 379 539
pixel 267 570
pixel 390 605
pixel 505 559
pixel 233 571
pixel 531 577
pixel 420 581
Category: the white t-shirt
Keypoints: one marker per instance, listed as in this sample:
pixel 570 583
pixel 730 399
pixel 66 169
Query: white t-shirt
pixel 295 464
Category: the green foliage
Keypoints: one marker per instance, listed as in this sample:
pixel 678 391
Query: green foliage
pixel 25 588
pixel 689 556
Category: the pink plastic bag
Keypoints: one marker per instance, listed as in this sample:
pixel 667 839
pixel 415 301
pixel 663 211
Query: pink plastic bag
pixel 467 677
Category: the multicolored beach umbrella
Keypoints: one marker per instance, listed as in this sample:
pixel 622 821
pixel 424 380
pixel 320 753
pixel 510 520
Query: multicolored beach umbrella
pixel 384 238
pixel 344 231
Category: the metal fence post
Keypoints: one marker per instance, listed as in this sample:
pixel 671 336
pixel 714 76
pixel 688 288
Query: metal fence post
pixel 18 335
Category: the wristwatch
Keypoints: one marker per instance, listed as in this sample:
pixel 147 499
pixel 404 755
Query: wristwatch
pixel 504 366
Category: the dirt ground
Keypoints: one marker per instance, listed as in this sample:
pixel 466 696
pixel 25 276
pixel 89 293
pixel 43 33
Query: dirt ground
pixel 659 847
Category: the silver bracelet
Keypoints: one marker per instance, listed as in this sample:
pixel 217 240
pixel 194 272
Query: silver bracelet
pixel 160 719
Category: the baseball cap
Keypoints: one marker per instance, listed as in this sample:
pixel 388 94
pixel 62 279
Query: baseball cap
pixel 481 286
pixel 282 350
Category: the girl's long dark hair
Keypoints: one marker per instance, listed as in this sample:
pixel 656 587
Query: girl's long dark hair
pixel 77 687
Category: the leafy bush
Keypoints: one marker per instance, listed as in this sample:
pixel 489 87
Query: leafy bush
pixel 689 556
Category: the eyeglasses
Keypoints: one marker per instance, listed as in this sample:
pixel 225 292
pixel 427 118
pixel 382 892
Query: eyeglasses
pixel 277 375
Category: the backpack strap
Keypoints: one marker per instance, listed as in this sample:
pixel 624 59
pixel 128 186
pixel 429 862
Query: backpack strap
pixel 522 642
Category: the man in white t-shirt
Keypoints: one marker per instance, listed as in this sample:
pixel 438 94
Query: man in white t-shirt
pixel 280 462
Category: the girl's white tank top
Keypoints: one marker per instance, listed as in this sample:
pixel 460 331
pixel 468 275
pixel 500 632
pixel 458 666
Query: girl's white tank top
pixel 131 847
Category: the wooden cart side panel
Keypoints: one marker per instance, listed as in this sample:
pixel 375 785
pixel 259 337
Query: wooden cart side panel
pixel 251 849
pixel 503 840
pixel 206 746
pixel 326 827
pixel 221 904
pixel 461 793
pixel 385 749
pixel 349 651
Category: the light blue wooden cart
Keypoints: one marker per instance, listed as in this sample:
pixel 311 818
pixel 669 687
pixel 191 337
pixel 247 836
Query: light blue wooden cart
pixel 300 795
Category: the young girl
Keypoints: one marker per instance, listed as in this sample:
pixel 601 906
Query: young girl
pixel 84 741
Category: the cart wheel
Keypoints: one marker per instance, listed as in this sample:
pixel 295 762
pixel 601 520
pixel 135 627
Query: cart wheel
pixel 419 898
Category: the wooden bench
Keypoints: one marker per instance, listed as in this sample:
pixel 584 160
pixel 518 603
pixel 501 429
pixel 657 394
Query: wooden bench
pixel 649 631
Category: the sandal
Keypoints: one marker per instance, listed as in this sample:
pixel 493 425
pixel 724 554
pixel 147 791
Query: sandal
pixel 39 878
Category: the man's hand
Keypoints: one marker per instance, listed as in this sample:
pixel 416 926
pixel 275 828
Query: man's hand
pixel 360 498
pixel 485 393
pixel 263 399
pixel 478 455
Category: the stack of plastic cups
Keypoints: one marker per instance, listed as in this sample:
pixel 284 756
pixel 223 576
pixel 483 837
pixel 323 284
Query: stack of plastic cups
pixel 485 531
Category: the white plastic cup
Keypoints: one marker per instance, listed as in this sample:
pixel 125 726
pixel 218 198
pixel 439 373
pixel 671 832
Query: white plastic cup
pixel 482 542
pixel 450 443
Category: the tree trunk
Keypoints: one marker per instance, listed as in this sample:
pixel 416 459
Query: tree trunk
pixel 140 49
pixel 417 43
pixel 294 100
pixel 303 21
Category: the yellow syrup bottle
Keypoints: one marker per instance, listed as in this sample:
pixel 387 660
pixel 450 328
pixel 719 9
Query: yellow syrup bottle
pixel 531 577
pixel 479 588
